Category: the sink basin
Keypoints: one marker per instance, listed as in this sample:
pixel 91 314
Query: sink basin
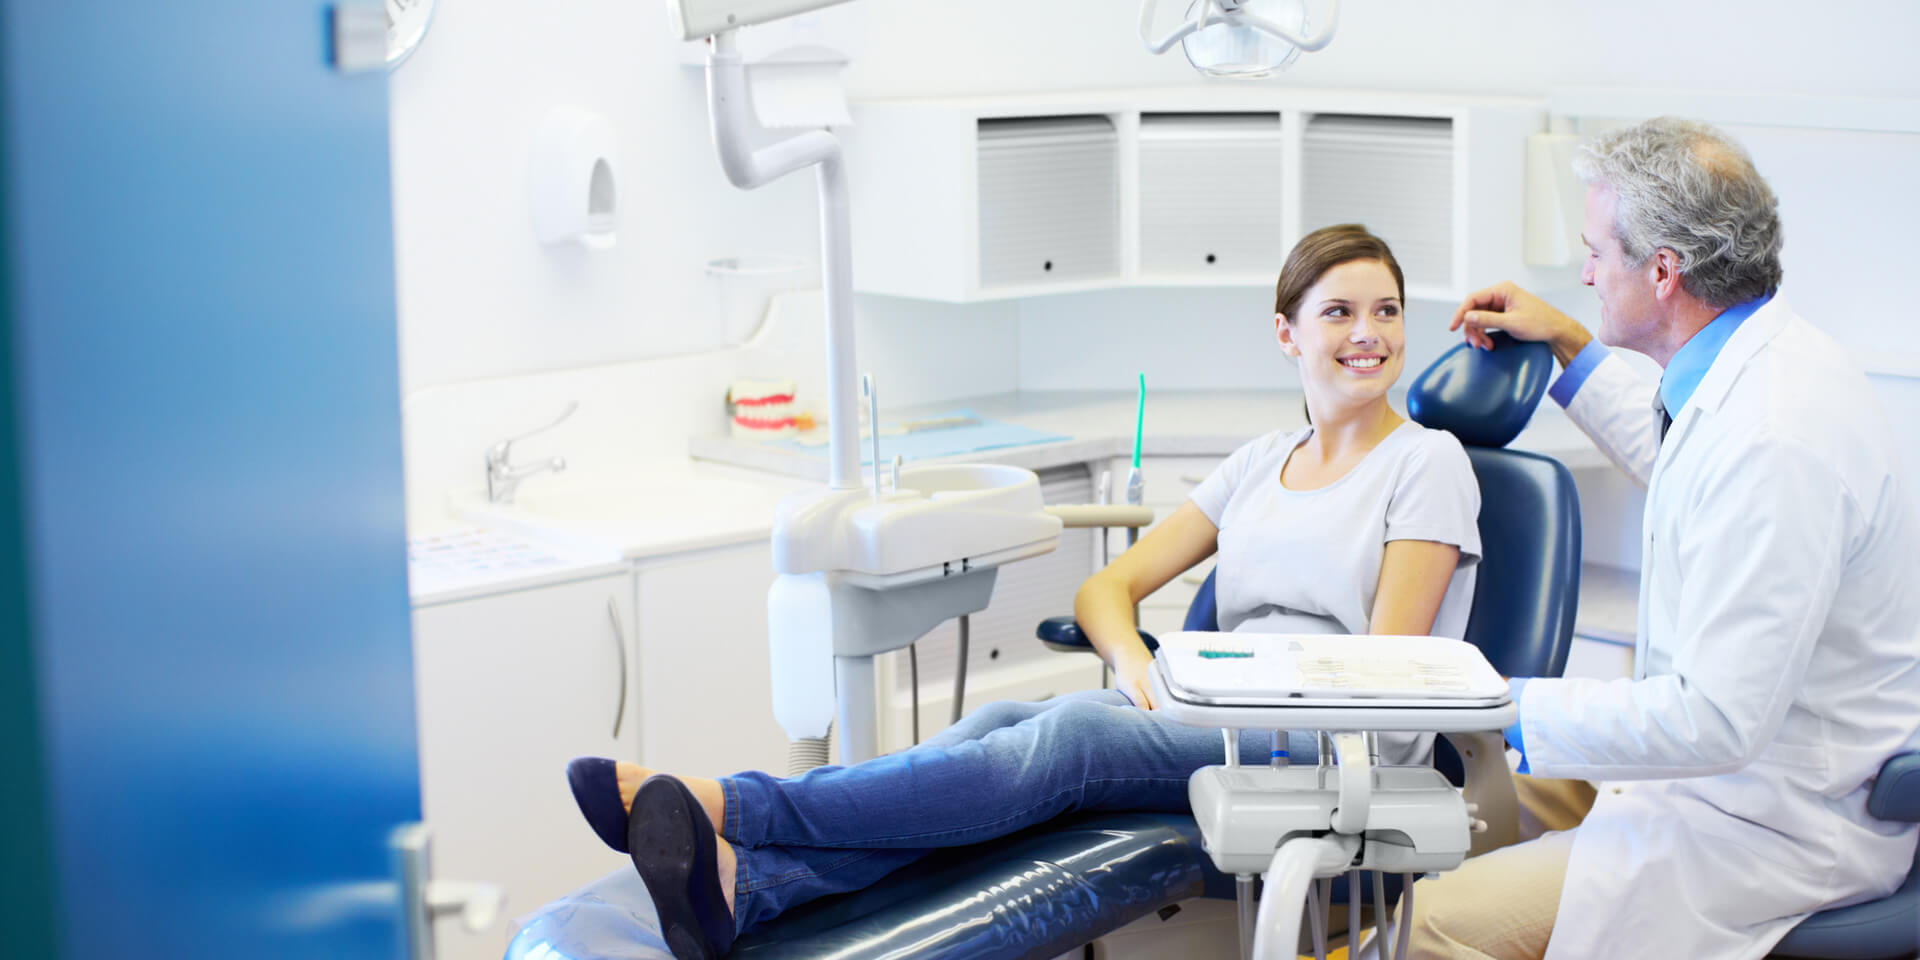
pixel 664 510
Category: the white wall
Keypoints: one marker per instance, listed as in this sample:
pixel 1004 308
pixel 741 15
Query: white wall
pixel 926 47
pixel 479 298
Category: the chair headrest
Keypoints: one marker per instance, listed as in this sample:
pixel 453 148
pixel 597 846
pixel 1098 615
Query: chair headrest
pixel 1483 397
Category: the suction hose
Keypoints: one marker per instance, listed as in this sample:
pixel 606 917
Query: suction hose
pixel 808 752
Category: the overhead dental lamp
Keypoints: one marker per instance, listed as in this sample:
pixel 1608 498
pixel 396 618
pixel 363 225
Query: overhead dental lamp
pixel 1244 39
pixel 1241 39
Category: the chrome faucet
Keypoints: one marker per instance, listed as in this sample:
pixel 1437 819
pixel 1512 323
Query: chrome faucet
pixel 503 477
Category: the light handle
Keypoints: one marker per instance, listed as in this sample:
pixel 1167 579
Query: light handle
pixel 1230 12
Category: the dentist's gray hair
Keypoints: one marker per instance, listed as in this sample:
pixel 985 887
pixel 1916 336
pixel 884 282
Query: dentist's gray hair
pixel 1691 189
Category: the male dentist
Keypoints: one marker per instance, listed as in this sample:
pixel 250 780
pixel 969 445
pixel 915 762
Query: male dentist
pixel 1777 662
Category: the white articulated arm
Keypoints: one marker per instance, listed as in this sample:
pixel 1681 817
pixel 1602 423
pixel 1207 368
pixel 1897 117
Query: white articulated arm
pixel 748 168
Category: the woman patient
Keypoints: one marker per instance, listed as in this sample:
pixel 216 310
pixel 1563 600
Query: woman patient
pixel 1362 522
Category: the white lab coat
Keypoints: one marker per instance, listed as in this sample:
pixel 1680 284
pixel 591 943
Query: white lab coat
pixel 1777 665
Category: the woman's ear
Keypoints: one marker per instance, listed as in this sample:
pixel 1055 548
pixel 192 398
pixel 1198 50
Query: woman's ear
pixel 1283 332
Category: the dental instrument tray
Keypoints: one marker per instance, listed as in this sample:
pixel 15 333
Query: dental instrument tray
pixel 1328 682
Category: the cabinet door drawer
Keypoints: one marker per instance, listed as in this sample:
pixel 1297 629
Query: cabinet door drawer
pixel 1049 200
pixel 1188 225
pixel 509 688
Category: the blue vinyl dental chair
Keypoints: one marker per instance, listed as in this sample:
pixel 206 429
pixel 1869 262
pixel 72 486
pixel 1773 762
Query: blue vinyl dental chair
pixel 1048 890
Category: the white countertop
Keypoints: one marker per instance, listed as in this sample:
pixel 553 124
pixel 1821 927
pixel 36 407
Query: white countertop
pixel 1189 423
pixel 473 561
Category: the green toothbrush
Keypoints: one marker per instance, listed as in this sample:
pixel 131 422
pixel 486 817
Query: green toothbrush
pixel 1134 491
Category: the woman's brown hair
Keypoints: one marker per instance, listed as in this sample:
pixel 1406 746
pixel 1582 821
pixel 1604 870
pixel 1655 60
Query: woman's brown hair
pixel 1322 250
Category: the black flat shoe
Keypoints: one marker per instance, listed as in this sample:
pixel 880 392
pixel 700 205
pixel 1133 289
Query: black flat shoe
pixel 597 791
pixel 674 849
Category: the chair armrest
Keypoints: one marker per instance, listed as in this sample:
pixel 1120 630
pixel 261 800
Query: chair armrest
pixel 1896 792
pixel 1102 515
pixel 1065 635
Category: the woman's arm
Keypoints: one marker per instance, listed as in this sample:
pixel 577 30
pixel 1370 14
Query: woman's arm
pixel 1104 605
pixel 1414 575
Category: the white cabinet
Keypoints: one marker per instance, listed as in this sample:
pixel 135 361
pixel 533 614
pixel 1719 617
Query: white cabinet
pixel 509 688
pixel 705 689
pixel 1049 200
pixel 965 199
pixel 1192 230
pixel 1393 174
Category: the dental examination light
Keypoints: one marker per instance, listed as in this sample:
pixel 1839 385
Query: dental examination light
pixel 1242 39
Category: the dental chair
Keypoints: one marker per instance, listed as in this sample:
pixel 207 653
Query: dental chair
pixel 1053 888
pixel 1884 929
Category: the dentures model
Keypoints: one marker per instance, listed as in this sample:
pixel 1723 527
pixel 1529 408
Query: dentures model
pixel 760 409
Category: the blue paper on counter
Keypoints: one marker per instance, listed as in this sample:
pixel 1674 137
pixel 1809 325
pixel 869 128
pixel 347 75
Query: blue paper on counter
pixel 941 441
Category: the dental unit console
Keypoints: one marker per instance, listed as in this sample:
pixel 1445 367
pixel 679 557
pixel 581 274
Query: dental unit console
pixel 861 571
pixel 1297 823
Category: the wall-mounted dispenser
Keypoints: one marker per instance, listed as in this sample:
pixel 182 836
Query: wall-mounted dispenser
pixel 572 176
pixel 1556 199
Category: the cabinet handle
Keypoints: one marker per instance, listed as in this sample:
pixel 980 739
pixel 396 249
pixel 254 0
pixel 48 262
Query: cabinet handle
pixel 1193 479
pixel 620 646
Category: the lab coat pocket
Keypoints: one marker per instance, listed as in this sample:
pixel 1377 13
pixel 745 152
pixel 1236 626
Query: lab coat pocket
pixel 1789 867
pixel 1795 757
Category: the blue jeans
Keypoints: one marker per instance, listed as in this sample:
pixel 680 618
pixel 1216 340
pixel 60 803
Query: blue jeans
pixel 1005 767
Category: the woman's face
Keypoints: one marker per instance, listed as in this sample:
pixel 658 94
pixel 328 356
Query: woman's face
pixel 1348 334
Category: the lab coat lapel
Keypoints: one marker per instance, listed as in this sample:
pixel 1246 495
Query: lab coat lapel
pixel 1746 342
pixel 1755 333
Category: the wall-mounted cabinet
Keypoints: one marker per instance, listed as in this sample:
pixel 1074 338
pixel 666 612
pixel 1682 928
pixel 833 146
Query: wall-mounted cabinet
pixel 1193 231
pixel 1049 200
pixel 994 198
pixel 1394 174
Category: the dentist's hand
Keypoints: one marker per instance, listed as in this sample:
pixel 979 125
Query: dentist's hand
pixel 1130 678
pixel 1505 306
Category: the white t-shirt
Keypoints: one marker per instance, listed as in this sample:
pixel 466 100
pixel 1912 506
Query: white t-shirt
pixel 1308 561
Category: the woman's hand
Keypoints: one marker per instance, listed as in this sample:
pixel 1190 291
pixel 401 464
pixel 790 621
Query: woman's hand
pixel 1130 677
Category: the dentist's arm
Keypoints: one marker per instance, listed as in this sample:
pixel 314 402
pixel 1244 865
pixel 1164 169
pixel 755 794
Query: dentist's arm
pixel 1761 558
pixel 1601 393
pixel 1104 604
pixel 1505 306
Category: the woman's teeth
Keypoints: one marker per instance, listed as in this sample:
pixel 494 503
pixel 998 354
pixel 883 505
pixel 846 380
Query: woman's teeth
pixel 1361 363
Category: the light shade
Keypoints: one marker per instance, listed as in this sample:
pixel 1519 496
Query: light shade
pixel 1232 49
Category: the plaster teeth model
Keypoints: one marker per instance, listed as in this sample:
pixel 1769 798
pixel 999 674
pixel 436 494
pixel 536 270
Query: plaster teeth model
pixel 760 409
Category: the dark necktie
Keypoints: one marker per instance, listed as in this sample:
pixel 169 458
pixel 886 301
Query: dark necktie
pixel 1660 409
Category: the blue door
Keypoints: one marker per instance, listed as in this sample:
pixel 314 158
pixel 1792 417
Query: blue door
pixel 206 689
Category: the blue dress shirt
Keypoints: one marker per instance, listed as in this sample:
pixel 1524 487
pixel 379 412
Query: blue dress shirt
pixel 1684 371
